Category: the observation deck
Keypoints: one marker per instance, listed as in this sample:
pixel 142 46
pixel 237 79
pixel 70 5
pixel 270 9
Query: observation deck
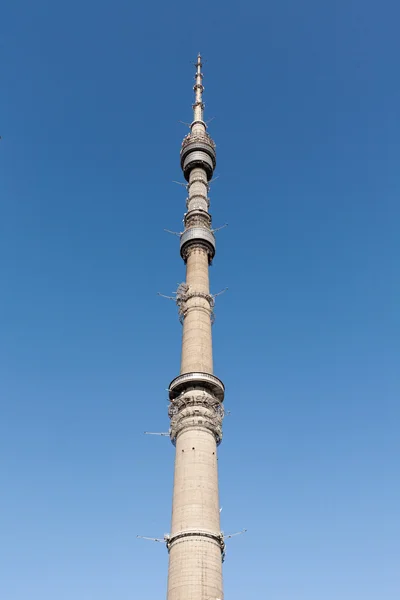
pixel 198 150
pixel 188 381
pixel 197 235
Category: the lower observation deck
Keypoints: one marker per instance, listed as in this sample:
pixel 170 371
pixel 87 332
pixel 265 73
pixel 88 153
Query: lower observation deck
pixel 198 235
pixel 186 381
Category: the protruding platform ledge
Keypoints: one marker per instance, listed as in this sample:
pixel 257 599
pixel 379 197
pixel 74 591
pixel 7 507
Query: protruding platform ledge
pixel 198 235
pixel 185 536
pixel 192 380
pixel 198 150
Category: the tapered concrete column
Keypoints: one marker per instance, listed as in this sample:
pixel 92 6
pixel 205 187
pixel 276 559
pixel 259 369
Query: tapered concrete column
pixel 195 543
pixel 196 337
pixel 195 560
pixel 195 499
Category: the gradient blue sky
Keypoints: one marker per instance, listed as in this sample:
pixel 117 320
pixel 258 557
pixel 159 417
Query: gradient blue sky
pixel 306 97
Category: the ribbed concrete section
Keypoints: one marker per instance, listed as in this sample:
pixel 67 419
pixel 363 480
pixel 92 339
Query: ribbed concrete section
pixel 198 189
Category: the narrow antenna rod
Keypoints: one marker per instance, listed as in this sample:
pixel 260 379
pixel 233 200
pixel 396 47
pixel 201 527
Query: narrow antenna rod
pixel 178 233
pixel 198 106
pixel 180 183
pixel 218 228
pixel 219 293
pixel 142 537
pixel 227 537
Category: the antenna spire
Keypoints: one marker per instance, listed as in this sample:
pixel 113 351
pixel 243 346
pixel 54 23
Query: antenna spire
pixel 198 106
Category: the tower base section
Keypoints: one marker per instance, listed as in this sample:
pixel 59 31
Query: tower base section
pixel 195 568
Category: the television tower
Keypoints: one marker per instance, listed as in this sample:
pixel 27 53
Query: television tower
pixel 196 544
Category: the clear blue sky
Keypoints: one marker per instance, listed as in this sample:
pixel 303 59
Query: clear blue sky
pixel 306 97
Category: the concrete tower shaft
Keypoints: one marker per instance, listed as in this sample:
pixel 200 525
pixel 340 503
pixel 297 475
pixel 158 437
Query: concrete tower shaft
pixel 196 337
pixel 195 544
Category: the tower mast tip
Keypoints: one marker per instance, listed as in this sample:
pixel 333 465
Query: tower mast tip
pixel 198 106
